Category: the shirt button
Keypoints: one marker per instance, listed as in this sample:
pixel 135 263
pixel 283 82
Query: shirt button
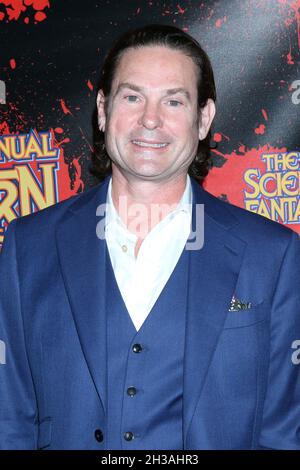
pixel 131 391
pixel 99 435
pixel 128 436
pixel 137 348
pixel 124 248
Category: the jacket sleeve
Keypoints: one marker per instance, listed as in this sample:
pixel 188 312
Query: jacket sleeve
pixel 281 416
pixel 18 411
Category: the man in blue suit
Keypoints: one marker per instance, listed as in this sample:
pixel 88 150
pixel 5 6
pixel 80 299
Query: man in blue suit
pixel 130 318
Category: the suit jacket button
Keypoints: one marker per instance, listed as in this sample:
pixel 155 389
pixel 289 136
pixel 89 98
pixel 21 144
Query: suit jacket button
pixel 99 435
pixel 131 391
pixel 137 348
pixel 128 436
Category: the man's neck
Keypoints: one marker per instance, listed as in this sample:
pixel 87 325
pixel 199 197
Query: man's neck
pixel 149 201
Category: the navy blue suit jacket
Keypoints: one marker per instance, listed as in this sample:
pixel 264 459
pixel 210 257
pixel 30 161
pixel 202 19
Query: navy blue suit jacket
pixel 241 388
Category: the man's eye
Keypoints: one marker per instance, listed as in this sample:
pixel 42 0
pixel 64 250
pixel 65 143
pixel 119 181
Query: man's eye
pixel 174 103
pixel 131 98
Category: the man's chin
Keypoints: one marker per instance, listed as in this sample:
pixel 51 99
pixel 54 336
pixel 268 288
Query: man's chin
pixel 142 172
pixel 148 172
pixel 147 176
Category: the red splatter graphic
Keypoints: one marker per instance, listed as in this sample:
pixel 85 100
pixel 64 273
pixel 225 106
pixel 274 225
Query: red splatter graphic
pixel 66 140
pixel 40 16
pixel 12 63
pixel 181 11
pixel 14 9
pixel 64 107
pixel 63 174
pixel 264 113
pixel 289 57
pixel 11 109
pixel 37 4
pixel 260 130
pixel 138 11
pixel 58 130
pixel 217 137
pixel 4 129
pixel 295 6
pixel 78 182
pixel 288 22
pixel 293 11
pixel 229 179
pixel 89 84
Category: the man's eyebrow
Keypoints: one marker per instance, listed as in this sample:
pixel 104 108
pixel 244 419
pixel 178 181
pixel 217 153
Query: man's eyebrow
pixel 168 92
pixel 127 85
pixel 174 91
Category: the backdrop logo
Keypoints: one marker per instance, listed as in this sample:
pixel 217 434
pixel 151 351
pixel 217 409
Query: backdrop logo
pixel 265 180
pixel 275 193
pixel 28 175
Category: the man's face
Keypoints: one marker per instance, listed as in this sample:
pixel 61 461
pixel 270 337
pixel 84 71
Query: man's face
pixel 152 125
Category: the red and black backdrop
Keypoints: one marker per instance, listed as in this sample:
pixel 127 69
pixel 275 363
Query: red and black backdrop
pixel 50 56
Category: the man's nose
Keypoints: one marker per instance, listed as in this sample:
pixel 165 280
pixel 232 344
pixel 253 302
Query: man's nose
pixel 151 116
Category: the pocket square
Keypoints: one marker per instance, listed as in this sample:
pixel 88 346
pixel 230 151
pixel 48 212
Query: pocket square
pixel 236 305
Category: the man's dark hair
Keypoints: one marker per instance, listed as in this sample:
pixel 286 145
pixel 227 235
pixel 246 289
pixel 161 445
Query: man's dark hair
pixel 174 38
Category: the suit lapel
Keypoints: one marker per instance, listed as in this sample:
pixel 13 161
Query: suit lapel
pixel 213 274
pixel 82 260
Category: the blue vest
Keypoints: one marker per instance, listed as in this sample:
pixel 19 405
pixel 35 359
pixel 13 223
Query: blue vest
pixel 145 367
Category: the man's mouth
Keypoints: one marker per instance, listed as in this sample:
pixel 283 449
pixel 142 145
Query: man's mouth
pixel 154 145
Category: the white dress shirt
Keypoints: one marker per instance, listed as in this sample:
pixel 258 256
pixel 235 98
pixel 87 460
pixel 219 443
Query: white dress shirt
pixel 141 279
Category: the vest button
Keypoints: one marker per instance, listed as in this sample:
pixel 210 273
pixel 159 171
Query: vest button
pixel 99 435
pixel 131 391
pixel 137 348
pixel 128 436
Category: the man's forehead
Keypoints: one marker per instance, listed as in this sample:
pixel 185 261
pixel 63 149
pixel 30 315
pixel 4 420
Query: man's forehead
pixel 148 51
pixel 157 60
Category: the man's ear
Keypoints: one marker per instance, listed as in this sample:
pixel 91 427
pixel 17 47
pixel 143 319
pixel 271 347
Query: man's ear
pixel 101 110
pixel 206 118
